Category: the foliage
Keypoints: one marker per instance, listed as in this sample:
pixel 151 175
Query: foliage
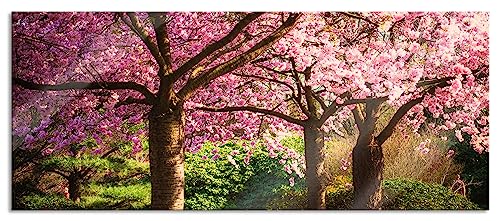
pixel 47 201
pixel 120 166
pixel 416 195
pixel 216 174
pixel 398 194
pixel 295 142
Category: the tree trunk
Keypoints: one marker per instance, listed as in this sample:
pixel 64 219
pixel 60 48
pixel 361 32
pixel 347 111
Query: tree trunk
pixel 367 166
pixel 314 143
pixel 166 157
pixel 75 187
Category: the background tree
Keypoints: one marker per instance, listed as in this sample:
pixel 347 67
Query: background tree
pixel 425 65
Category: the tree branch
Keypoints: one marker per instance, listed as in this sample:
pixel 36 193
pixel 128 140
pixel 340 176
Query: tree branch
pixel 239 60
pixel 401 112
pixel 255 110
pixel 352 15
pixel 137 27
pixel 60 173
pixel 267 79
pixel 216 45
pixel 86 86
pixel 131 100
pixel 162 39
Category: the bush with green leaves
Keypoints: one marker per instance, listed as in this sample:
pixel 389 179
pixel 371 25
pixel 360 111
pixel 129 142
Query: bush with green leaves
pixel 399 194
pixel 416 195
pixel 215 175
pixel 294 142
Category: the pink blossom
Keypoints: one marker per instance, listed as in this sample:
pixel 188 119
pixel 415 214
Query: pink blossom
pixel 292 181
pixel 458 134
pixel 214 151
pixel 272 154
pixel 414 47
pixel 246 160
pixel 97 151
pixel 135 140
pixel 47 151
pixel 425 150
pixel 29 139
pixel 450 125
pixel 450 153
pixel 231 160
pixel 234 152
pixel 215 157
pixel 344 164
pixel 204 157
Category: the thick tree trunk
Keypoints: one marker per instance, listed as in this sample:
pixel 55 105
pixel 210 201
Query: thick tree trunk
pixel 367 166
pixel 75 187
pixel 166 156
pixel 314 143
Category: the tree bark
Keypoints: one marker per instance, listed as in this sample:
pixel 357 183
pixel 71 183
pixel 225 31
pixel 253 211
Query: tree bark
pixel 75 187
pixel 314 143
pixel 367 160
pixel 166 156
pixel 367 170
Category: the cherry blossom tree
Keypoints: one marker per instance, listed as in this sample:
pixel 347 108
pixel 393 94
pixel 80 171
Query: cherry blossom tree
pixel 339 65
pixel 117 67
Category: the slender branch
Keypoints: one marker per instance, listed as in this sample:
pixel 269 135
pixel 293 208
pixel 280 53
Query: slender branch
pixel 85 86
pixel 267 79
pixel 352 15
pixel 400 113
pixel 273 70
pixel 239 60
pixel 60 173
pixel 320 100
pixel 358 101
pixel 300 87
pixel 216 45
pixel 42 41
pixel 131 100
pixel 255 110
pixel 137 27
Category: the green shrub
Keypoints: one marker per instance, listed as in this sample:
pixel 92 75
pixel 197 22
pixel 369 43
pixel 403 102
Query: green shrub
pixel 213 184
pixel 294 142
pixel 399 194
pixel 48 202
pixel 415 195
